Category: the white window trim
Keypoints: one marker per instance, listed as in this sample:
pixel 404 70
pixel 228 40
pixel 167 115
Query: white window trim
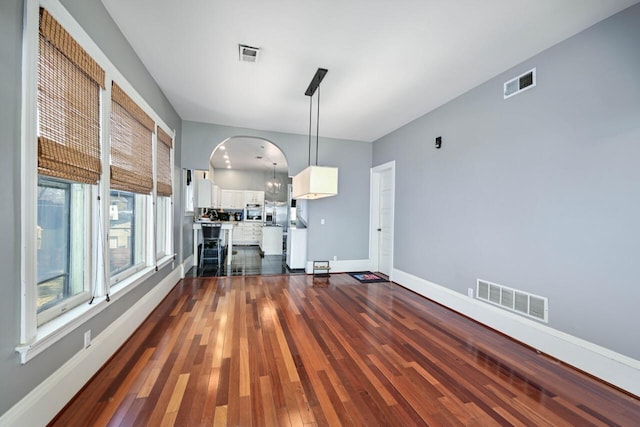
pixel 33 339
pixel 84 296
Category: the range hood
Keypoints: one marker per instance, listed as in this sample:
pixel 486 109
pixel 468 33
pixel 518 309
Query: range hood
pixel 315 182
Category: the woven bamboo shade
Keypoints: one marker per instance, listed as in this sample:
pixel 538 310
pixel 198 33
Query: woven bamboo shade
pixel 164 164
pixel 69 82
pixel 131 130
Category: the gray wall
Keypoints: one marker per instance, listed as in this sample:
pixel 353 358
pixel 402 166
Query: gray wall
pixel 18 379
pixel 251 180
pixel 538 192
pixel 345 233
pixel 10 81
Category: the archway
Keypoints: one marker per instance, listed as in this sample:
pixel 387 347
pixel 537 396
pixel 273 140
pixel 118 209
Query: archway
pixel 250 163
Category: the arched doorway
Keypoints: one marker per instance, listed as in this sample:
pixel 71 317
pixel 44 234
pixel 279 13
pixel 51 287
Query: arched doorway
pixel 250 163
pixel 240 167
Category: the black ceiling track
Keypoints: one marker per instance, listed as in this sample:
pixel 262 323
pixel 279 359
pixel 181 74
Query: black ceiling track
pixel 315 81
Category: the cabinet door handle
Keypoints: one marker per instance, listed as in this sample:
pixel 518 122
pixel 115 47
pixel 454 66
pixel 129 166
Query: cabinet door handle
pixel 379 229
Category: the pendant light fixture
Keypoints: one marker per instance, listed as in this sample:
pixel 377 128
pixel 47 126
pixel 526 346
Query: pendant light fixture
pixel 315 181
pixel 274 185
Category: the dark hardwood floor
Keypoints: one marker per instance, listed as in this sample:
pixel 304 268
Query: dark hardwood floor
pixel 277 350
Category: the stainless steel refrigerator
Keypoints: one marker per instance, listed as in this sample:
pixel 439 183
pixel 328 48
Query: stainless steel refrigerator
pixel 277 213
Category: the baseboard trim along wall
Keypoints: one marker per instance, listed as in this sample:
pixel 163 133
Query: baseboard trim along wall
pixel 186 265
pixel 49 397
pixel 342 266
pixel 615 368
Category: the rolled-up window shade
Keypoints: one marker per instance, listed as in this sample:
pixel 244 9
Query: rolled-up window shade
pixel 69 83
pixel 131 130
pixel 164 146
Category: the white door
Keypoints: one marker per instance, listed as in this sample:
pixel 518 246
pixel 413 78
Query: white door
pixel 382 205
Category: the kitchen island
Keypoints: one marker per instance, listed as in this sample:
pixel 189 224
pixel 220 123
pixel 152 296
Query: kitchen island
pixel 271 240
pixel 197 238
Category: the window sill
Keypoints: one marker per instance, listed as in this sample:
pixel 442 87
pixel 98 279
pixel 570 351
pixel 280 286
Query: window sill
pixel 162 262
pixel 56 329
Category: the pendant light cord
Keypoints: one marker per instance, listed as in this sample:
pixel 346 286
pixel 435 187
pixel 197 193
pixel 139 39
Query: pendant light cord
pixel 318 126
pixel 310 110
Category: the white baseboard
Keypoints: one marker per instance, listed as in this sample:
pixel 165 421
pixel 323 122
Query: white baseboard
pixel 45 401
pixel 343 265
pixel 615 368
pixel 186 265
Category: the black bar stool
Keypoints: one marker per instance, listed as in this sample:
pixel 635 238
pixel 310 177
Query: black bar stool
pixel 211 249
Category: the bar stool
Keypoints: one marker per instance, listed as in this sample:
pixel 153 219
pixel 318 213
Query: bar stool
pixel 211 248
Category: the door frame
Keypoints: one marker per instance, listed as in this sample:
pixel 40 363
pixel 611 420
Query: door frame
pixel 374 213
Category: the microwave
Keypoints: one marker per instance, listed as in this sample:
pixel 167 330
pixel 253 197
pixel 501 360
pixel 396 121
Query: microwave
pixel 253 213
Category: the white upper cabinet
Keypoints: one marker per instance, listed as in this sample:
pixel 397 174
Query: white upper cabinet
pixel 216 197
pixel 232 199
pixel 254 197
pixel 203 195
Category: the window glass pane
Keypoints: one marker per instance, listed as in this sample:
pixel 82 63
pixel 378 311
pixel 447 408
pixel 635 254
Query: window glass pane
pixel 61 241
pixel 162 205
pixel 126 230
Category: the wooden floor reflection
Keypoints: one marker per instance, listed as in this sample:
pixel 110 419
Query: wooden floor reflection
pixel 288 351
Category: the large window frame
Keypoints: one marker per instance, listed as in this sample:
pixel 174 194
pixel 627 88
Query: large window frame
pixel 41 330
pixel 75 274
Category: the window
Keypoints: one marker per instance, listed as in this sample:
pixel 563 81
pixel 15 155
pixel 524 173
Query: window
pixel 126 232
pixel 164 189
pixel 188 193
pixel 163 214
pixel 76 243
pixel 62 246
pixel 131 183
pixel 69 83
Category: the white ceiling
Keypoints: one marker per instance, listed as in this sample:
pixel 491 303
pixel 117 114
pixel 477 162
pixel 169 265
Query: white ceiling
pixel 245 153
pixel 389 61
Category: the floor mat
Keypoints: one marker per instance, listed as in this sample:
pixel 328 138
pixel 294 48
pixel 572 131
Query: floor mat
pixel 367 277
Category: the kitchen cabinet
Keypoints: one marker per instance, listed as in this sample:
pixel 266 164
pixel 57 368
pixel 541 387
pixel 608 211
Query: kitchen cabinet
pixel 254 197
pixel 252 233
pixel 232 199
pixel 238 199
pixel 297 247
pixel 204 189
pixel 208 194
pixel 247 233
pixel 271 241
pixel 216 201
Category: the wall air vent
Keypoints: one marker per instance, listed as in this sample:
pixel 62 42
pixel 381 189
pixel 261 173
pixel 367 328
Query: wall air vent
pixel 248 53
pixel 520 84
pixel 520 302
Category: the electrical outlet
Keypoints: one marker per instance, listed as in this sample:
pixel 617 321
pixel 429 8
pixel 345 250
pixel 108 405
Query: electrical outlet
pixel 335 257
pixel 322 221
pixel 87 338
pixel 470 292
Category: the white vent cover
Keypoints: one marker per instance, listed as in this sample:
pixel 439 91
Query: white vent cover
pixel 520 84
pixel 248 53
pixel 520 302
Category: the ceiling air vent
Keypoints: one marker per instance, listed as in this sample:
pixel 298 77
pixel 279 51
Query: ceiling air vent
pixel 520 84
pixel 248 53
pixel 519 302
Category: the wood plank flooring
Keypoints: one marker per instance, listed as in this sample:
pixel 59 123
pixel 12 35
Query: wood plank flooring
pixel 279 351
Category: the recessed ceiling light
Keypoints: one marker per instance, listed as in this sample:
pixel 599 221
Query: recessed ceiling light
pixel 222 147
pixel 226 156
pixel 228 166
pixel 227 161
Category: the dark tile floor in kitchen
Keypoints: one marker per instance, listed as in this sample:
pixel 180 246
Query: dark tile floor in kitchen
pixel 246 261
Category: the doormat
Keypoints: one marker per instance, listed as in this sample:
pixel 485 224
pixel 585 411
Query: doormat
pixel 367 277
